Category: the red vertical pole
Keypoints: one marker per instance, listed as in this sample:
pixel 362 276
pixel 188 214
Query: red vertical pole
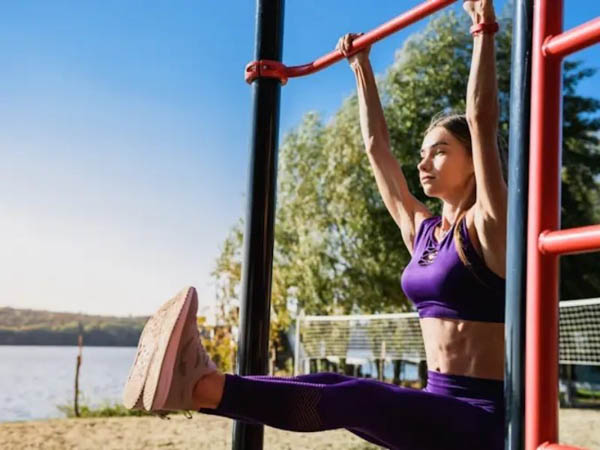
pixel 541 366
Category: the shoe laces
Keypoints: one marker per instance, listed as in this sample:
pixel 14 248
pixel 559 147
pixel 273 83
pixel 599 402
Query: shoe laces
pixel 164 415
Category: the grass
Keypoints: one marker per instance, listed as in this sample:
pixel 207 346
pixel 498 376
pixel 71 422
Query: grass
pixel 106 409
pixel 586 393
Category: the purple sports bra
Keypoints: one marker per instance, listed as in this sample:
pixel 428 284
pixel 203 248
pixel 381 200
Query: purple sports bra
pixel 440 285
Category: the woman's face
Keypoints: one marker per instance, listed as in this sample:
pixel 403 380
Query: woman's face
pixel 446 167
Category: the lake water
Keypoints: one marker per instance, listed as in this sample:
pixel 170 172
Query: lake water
pixel 35 379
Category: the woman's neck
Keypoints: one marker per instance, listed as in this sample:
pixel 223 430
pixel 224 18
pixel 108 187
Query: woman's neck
pixel 452 209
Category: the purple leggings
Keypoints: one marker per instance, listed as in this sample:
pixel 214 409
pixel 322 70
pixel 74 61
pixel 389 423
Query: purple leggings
pixel 452 412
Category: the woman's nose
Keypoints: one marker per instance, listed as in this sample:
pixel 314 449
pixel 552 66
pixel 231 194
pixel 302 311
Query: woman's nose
pixel 424 164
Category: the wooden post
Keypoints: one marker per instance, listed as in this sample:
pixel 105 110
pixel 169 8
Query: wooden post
pixel 80 343
pixel 397 371
pixel 272 361
pixel 570 391
pixel 423 373
pixel 381 366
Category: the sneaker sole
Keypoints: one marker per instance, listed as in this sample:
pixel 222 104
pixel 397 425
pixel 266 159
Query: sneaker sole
pixel 132 393
pixel 160 372
pixel 149 342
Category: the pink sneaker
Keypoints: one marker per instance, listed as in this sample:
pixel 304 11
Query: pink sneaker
pixel 132 394
pixel 177 361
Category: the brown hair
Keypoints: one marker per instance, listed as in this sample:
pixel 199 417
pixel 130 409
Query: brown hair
pixel 459 127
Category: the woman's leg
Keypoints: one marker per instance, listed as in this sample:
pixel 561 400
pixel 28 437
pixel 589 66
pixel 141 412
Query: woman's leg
pixel 327 378
pixel 172 371
pixel 393 416
pixel 321 377
pixel 333 378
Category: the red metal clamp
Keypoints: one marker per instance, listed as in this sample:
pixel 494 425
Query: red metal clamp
pixel 266 68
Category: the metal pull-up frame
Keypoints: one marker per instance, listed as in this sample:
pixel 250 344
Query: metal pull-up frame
pixel 544 240
pixel 545 243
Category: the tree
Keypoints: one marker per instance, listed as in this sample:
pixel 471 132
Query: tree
pixel 579 277
pixel 227 275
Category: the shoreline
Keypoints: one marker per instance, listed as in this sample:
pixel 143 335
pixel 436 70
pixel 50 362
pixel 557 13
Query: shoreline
pixel 212 432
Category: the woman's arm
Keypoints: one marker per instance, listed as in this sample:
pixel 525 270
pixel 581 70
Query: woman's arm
pixel 406 210
pixel 483 115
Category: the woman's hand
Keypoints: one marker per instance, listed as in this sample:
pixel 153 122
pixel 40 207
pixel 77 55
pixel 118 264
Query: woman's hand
pixel 480 11
pixel 344 45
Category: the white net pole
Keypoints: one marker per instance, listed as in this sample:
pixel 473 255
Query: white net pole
pixel 297 343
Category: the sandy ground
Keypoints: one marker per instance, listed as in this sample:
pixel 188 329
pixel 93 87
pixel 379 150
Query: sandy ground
pixel 577 427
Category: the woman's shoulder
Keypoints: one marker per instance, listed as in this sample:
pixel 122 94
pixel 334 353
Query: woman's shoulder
pixel 424 222
pixel 493 258
pixel 471 230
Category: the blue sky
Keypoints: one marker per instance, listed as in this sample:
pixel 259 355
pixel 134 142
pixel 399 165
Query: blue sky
pixel 124 130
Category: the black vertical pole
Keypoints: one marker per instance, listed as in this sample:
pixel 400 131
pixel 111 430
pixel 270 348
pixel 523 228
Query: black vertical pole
pixel 516 259
pixel 253 341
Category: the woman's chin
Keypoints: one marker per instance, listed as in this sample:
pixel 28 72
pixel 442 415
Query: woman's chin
pixel 428 191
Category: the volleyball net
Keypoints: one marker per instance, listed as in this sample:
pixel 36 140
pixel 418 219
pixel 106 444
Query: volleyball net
pixel 372 339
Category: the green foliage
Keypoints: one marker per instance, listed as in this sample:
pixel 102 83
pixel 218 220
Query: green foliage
pixel 12 318
pixel 587 393
pixel 337 250
pixel 581 165
pixel 106 409
pixel 32 327
pixel 221 348
pixel 227 275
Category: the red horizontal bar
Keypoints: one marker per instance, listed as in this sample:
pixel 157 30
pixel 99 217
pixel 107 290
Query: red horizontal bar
pixel 573 40
pixel 383 31
pixel 570 241
pixel 402 21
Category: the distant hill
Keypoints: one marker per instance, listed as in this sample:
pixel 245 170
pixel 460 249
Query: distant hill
pixel 35 327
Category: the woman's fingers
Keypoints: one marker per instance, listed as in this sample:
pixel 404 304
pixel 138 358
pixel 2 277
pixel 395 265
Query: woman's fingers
pixel 479 10
pixel 340 45
pixel 469 7
pixel 348 42
pixel 344 43
pixel 344 46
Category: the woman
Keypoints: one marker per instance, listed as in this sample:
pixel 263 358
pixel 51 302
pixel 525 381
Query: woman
pixel 455 278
